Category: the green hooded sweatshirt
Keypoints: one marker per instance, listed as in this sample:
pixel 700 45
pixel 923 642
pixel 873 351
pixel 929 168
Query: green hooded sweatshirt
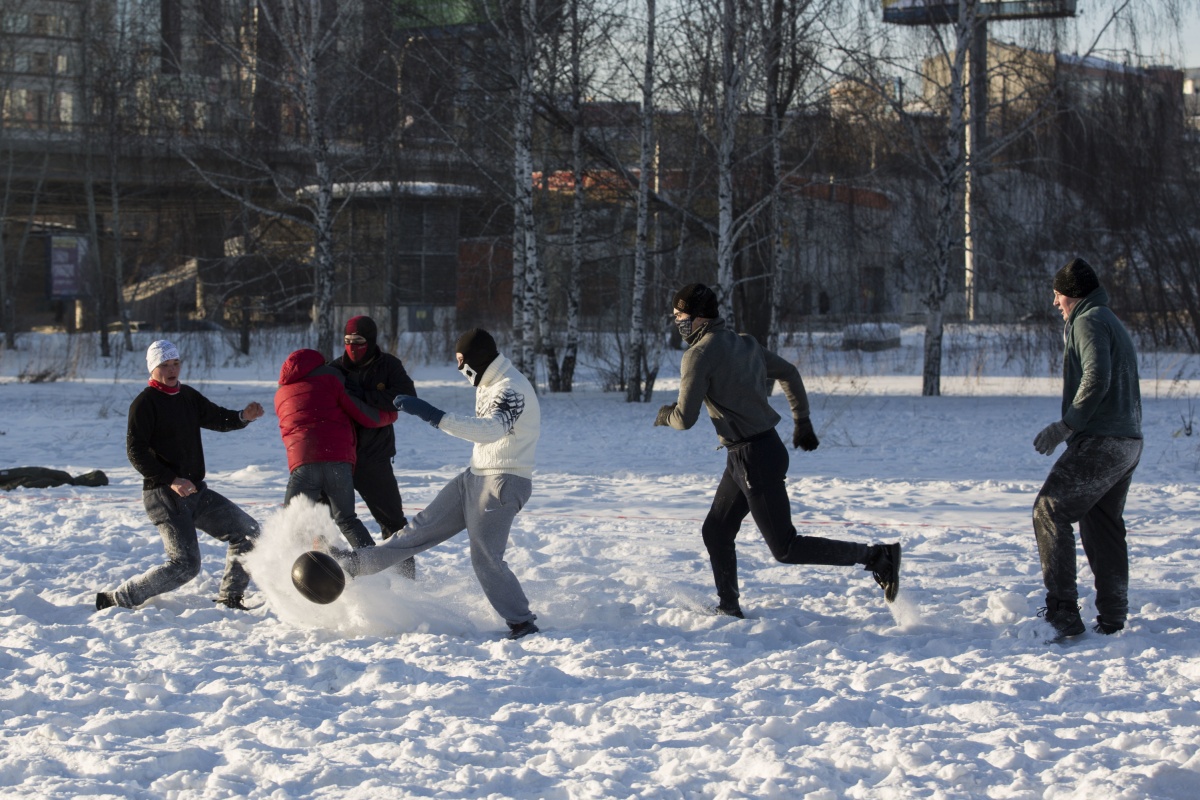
pixel 1101 394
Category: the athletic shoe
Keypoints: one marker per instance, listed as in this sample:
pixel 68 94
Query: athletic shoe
pixel 884 563
pixel 516 631
pixel 1108 627
pixel 728 611
pixel 1065 620
pixel 234 601
pixel 105 600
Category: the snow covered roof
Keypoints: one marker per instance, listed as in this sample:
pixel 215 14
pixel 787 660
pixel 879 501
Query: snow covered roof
pixel 400 188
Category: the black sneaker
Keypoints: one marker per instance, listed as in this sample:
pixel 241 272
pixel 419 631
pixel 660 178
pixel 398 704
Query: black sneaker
pixel 234 601
pixel 884 563
pixel 105 600
pixel 517 630
pixel 1065 620
pixel 1108 627
pixel 728 611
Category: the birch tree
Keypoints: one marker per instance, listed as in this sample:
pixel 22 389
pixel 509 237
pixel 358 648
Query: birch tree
pixel 639 367
pixel 300 55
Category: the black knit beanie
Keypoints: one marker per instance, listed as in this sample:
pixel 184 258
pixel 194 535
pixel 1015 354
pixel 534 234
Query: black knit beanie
pixel 697 300
pixel 1076 279
pixel 478 350
pixel 362 326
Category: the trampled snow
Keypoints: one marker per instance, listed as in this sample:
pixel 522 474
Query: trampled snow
pixel 403 689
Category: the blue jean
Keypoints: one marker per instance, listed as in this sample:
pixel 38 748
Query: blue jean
pixel 177 519
pixel 486 506
pixel 332 482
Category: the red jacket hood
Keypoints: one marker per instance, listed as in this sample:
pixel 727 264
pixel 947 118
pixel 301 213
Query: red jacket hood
pixel 298 365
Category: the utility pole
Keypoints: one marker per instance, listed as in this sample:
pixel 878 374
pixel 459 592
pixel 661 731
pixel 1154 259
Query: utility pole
pixel 946 12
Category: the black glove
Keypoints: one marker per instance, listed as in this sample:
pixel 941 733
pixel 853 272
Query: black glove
pixel 664 415
pixel 804 437
pixel 1051 437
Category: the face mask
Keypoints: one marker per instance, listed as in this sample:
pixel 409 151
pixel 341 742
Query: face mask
pixel 357 352
pixel 685 326
pixel 471 375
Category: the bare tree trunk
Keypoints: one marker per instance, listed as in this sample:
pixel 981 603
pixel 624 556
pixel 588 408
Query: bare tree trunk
pixel 637 322
pixel 727 123
pixel 571 349
pixel 775 284
pixel 525 63
pixel 118 267
pixel 948 241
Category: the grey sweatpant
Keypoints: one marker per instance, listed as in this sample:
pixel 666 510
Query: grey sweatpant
pixel 483 504
pixel 177 519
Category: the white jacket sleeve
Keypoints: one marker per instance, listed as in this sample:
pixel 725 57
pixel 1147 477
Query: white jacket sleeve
pixel 492 425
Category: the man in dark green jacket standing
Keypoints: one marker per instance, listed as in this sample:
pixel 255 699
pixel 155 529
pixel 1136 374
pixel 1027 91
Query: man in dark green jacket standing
pixel 731 375
pixel 1102 426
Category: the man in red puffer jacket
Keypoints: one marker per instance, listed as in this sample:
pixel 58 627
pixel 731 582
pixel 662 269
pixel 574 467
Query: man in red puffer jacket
pixel 316 420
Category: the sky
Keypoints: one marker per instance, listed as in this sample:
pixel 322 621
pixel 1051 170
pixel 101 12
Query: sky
pixel 632 688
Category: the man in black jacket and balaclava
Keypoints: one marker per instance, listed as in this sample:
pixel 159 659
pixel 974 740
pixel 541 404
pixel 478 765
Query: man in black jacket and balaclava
pixel 731 374
pixel 375 377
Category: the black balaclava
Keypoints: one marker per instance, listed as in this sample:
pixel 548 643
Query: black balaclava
pixel 364 327
pixel 1076 279
pixel 695 300
pixel 478 349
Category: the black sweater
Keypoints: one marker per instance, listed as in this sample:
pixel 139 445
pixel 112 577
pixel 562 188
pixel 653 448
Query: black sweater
pixel 163 438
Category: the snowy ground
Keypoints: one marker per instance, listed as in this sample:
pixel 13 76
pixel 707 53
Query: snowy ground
pixel 631 690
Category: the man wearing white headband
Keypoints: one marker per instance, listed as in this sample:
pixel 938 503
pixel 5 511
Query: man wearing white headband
pixel 163 443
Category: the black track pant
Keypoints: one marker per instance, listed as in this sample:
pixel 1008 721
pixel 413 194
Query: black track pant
pixel 753 484
pixel 376 485
pixel 1088 484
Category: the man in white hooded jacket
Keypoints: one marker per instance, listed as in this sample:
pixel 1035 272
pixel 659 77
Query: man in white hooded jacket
pixel 485 498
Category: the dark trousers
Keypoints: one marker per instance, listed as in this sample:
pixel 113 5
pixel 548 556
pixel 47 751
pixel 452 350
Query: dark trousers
pixel 376 485
pixel 1088 484
pixel 753 483
pixel 332 482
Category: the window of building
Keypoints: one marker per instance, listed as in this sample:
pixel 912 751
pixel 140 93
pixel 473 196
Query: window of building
pixel 14 23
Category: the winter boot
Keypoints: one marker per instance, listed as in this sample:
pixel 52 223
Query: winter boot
pixel 884 562
pixel 1064 618
pixel 105 600
pixel 1108 626
pixel 727 610
pixel 519 629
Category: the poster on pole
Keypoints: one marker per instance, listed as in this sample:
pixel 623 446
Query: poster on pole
pixel 941 12
pixel 65 276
